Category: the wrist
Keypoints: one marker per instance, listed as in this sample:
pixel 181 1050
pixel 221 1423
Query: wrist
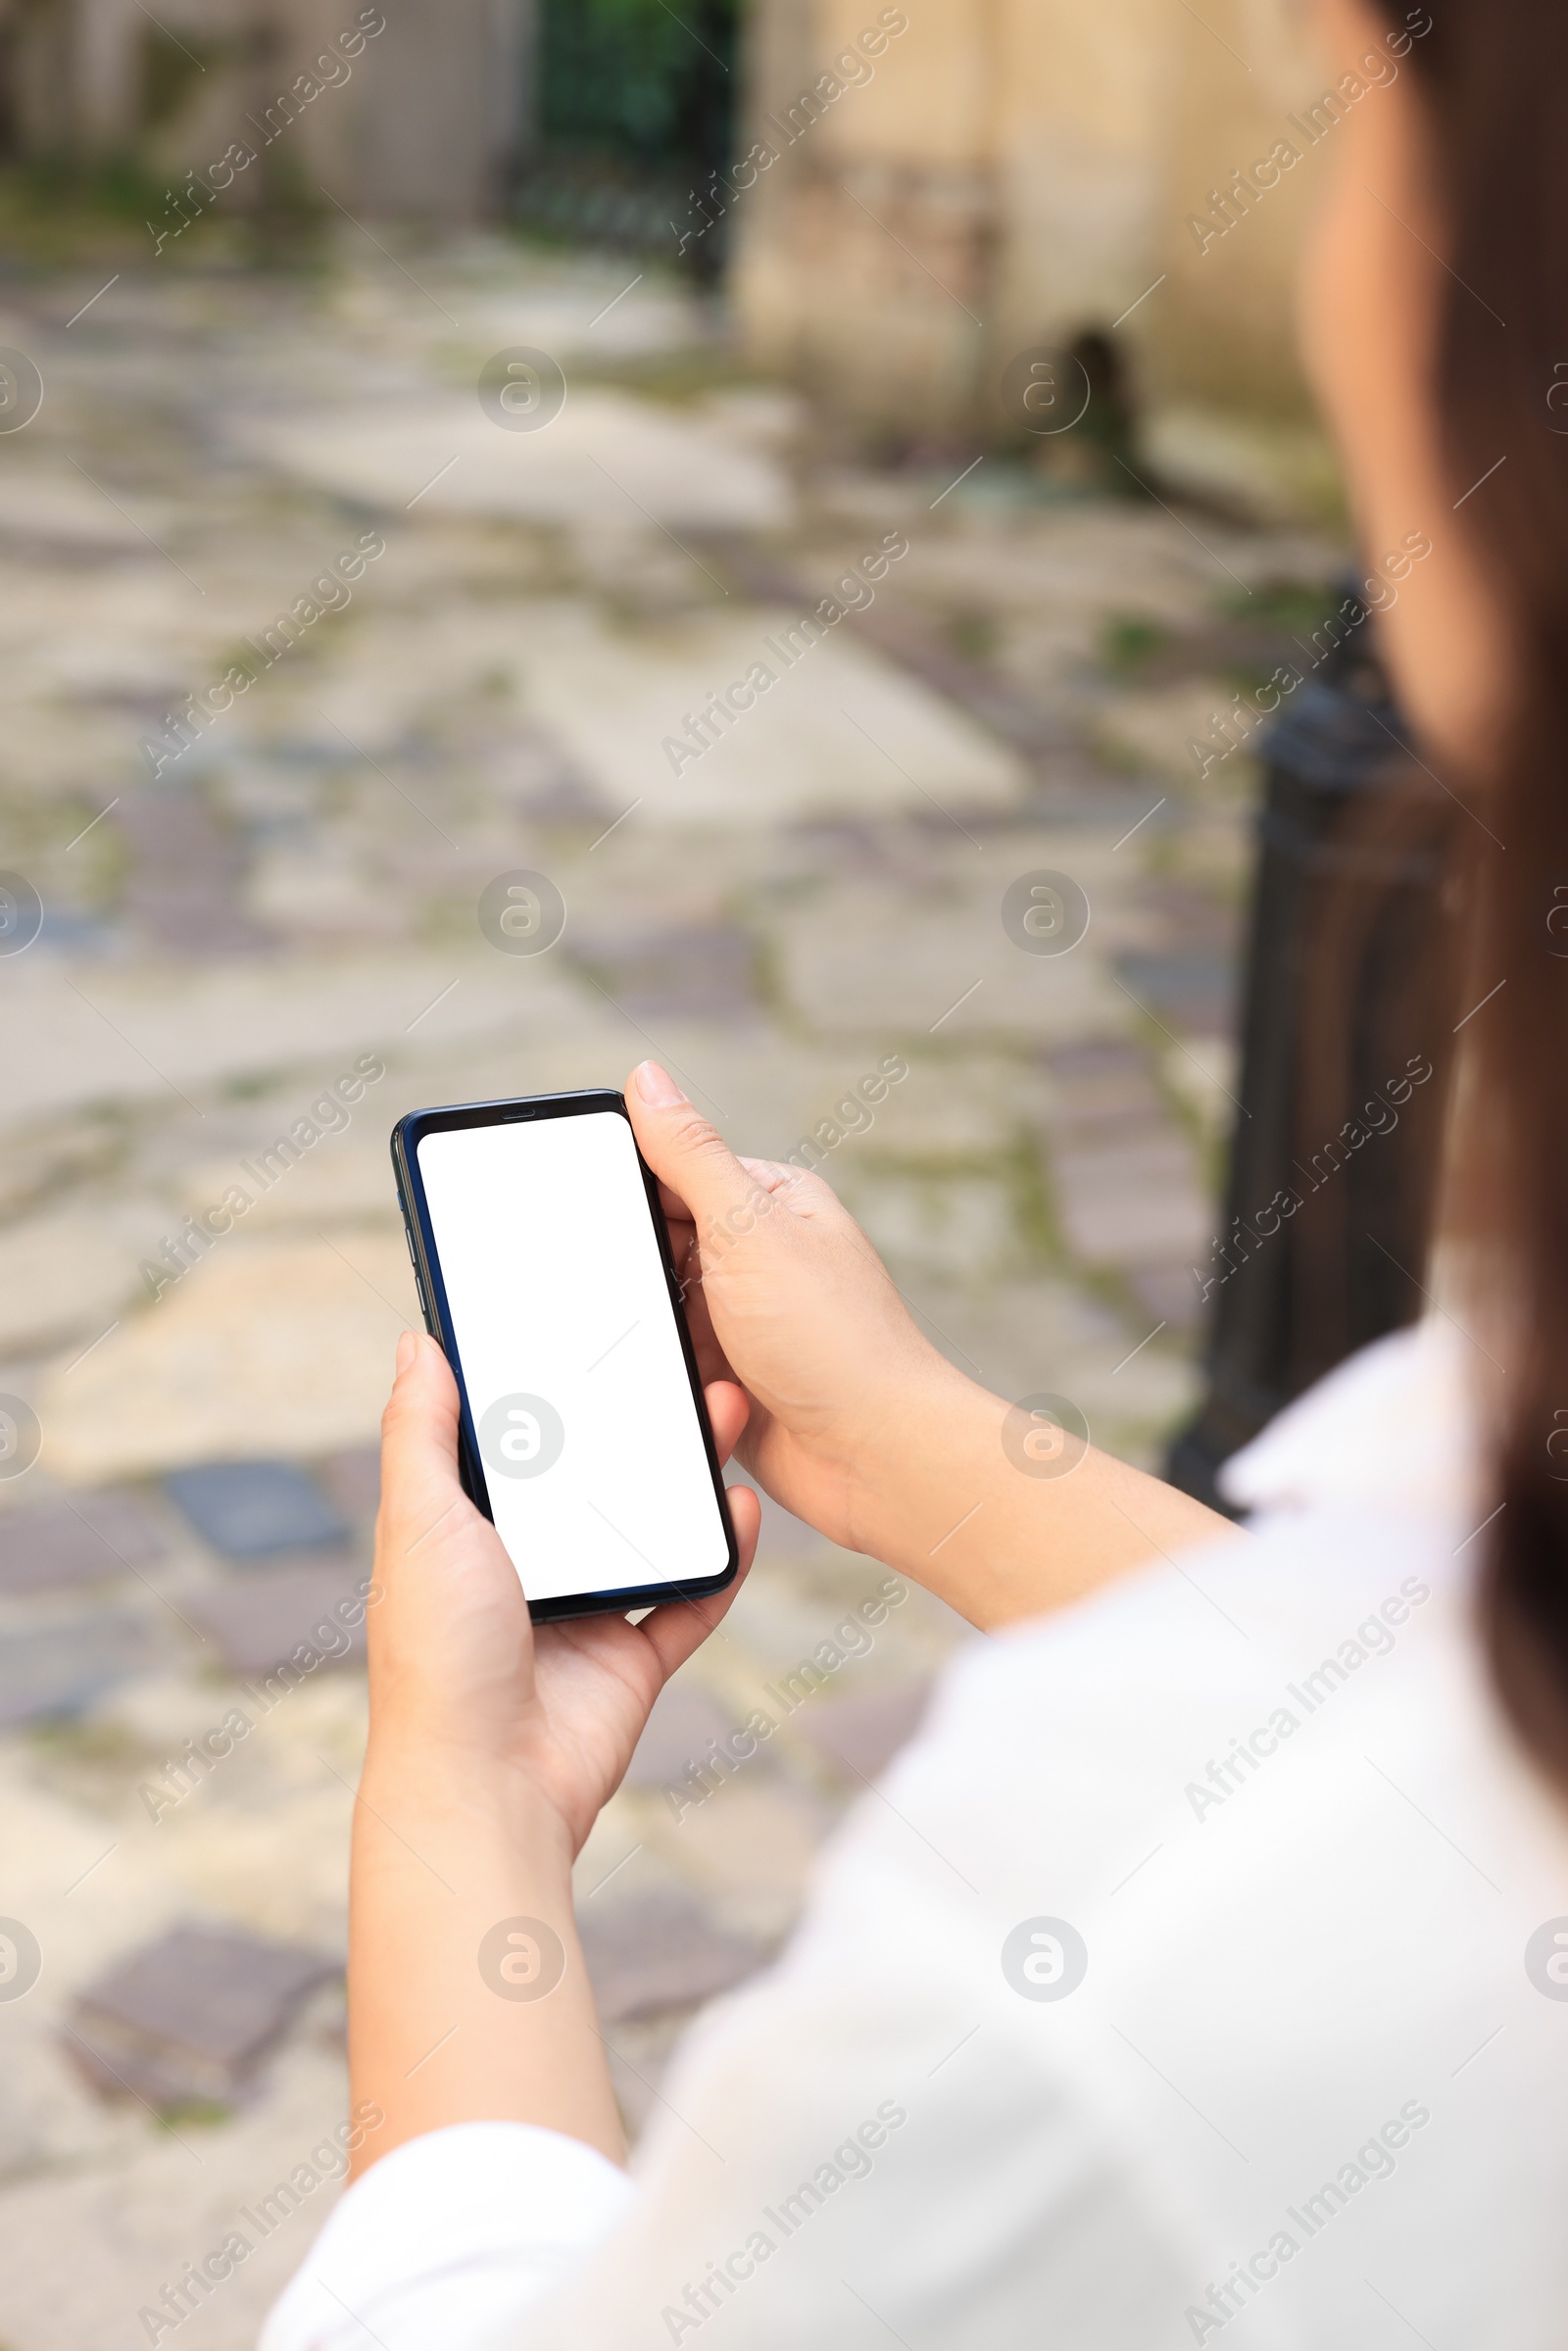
pixel 458 1873
pixel 464 1794
pixel 912 1462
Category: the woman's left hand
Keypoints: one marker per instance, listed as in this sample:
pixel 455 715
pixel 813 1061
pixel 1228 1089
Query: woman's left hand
pixel 462 1682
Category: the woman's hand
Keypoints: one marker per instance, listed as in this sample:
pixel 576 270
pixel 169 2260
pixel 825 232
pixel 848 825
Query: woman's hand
pixel 492 1747
pixel 459 1674
pixel 785 1295
pixel 857 1423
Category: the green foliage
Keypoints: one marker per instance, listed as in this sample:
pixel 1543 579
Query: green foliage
pixel 192 2114
pixel 632 78
pixel 1129 642
pixel 974 634
pixel 1294 607
pixel 118 192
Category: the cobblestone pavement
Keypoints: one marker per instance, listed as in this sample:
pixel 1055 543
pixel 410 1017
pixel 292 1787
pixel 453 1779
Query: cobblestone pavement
pixel 502 646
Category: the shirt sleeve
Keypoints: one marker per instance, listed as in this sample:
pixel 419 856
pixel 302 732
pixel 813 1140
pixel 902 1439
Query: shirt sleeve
pixel 444 2236
pixel 863 2148
pixel 875 2139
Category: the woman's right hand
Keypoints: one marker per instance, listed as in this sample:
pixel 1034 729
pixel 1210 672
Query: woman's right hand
pixel 785 1294
pixel 858 1425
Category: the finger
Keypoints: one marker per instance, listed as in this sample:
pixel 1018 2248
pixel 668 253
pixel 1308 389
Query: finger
pixel 419 1437
pixel 686 1154
pixel 711 1361
pixel 728 1410
pixel 799 1189
pixel 686 1257
pixel 810 1199
pixel 769 1173
pixel 675 1631
pixel 674 1207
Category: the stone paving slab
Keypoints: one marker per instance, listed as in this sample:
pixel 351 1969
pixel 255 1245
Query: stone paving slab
pixel 1100 1090
pixel 309 895
pixel 353 1478
pixel 866 959
pixel 320 1321
pixel 783 1535
pixel 1158 727
pixel 752 1847
pixel 185 872
pixel 252 1510
pixel 765 1098
pixel 1132 1201
pixel 60 510
pixel 51 1670
pixel 842 729
pixel 535 776
pixel 71 1271
pixel 523 1058
pixel 953 1227
pixel 789 1604
pixel 346 1180
pixel 191 2017
pixel 89 2249
pixel 1170 1295
pixel 287 1791
pixel 859 1735
pixel 1193 989
pixel 1042 1336
pixel 565 310
pixel 661 1949
pixel 952 1110
pixel 262 1623
pixel 166 1034
pixel 605 457
pixel 435 658
pixel 1095 559
pixel 85 1540
pixel 684 1719
pixel 706 973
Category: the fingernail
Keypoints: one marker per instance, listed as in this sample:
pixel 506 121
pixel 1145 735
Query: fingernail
pixel 406 1352
pixel 657 1087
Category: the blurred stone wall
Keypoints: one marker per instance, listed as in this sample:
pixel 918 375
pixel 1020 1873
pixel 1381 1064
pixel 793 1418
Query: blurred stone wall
pixel 995 177
pixel 399 108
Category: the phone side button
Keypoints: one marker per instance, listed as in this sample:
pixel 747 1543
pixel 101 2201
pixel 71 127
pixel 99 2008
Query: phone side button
pixel 419 1284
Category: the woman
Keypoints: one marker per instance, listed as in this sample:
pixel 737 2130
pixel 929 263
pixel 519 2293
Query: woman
pixel 1205 1963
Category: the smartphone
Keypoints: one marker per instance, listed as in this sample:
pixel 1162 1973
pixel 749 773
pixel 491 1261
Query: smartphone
pixel 544 1269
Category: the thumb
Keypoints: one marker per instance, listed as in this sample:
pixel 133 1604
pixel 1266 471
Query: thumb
pixel 691 1156
pixel 420 1435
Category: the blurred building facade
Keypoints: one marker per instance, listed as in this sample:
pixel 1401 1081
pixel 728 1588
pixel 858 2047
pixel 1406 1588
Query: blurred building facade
pixel 412 108
pixel 954 183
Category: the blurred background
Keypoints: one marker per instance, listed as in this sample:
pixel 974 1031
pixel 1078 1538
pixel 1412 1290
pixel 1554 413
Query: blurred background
pixel 411 419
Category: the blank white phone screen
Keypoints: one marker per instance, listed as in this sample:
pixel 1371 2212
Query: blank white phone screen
pixel 588 1432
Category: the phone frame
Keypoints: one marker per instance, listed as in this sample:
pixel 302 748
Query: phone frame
pixel 406 1135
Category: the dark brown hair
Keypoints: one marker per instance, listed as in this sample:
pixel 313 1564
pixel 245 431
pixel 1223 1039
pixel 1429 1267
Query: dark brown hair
pixel 1492 74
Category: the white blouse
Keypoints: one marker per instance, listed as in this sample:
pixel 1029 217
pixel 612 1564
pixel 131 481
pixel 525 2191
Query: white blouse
pixel 1204 1963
